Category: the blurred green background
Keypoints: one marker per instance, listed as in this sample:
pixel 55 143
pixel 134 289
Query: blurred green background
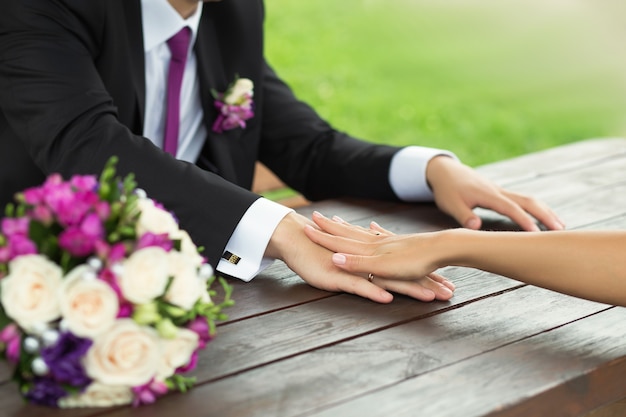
pixel 488 79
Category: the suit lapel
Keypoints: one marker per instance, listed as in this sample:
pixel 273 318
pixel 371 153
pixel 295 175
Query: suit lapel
pixel 132 9
pixel 216 154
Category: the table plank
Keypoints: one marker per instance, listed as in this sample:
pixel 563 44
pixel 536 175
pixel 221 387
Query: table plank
pixel 555 373
pixel 551 161
pixel 359 366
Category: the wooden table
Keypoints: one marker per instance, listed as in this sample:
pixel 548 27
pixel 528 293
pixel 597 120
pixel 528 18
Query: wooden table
pixel 498 348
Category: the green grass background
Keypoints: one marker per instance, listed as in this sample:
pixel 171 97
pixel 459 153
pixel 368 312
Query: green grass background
pixel 488 79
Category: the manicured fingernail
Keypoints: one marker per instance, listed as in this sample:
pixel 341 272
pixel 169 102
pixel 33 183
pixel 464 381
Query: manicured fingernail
pixel 318 214
pixel 446 290
pixel 338 219
pixel 339 259
pixel 374 224
pixel 472 223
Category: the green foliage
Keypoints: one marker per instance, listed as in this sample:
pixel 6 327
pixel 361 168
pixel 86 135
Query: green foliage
pixel 489 80
pixel 180 383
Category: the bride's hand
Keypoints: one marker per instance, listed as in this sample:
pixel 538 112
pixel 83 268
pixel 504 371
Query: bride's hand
pixel 394 261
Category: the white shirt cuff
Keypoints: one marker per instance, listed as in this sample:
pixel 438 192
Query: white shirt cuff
pixel 407 173
pixel 250 238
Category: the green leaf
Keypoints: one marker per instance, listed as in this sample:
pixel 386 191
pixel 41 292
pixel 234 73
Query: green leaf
pixel 180 383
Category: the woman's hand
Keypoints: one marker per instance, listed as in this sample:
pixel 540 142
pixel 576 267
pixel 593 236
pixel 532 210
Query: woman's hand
pixel 395 262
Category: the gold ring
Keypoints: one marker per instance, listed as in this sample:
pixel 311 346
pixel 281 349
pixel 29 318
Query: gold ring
pixel 370 277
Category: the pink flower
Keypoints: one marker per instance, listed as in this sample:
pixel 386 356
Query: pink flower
pixel 5 254
pixel 81 241
pixel 84 182
pixel 103 209
pixel 161 240
pixel 10 336
pixel 111 253
pixel 126 308
pixel 76 242
pixel 148 393
pixel 12 226
pixel 92 226
pixel 34 196
pixel 43 214
pixel 71 210
pixel 21 245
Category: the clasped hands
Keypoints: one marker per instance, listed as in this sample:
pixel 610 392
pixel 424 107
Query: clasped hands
pixel 333 255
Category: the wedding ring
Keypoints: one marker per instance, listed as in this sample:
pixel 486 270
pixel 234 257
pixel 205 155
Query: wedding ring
pixel 370 277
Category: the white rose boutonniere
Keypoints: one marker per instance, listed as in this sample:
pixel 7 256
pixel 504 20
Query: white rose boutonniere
pixel 235 105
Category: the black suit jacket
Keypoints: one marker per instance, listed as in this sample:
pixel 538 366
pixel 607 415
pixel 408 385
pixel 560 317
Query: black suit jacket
pixel 72 93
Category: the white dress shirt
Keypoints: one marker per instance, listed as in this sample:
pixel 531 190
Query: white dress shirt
pixel 407 174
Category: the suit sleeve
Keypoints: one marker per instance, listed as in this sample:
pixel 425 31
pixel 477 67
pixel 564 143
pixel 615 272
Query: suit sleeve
pixel 313 157
pixel 54 103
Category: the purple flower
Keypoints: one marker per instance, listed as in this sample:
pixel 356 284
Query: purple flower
pixel 191 365
pixel 64 359
pixel 161 240
pixel 201 327
pixel 235 105
pixel 45 391
pixel 76 242
pixel 231 116
pixel 148 393
pixel 10 336
pixel 125 311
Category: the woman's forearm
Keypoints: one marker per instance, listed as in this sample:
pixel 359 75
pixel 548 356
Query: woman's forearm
pixel 588 264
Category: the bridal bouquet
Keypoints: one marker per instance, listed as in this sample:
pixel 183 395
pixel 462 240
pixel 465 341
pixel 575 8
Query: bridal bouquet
pixel 103 299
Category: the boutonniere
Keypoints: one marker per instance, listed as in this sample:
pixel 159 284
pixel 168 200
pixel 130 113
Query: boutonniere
pixel 234 105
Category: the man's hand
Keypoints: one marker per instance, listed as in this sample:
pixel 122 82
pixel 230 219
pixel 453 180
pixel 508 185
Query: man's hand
pixel 314 265
pixel 458 189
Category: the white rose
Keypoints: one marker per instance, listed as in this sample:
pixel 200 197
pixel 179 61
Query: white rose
pixel 242 87
pixel 154 219
pixel 144 275
pixel 187 246
pixel 99 395
pixel 29 292
pixel 89 306
pixel 127 354
pixel 177 352
pixel 186 287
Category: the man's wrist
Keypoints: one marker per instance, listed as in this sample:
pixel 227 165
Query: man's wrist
pixel 283 237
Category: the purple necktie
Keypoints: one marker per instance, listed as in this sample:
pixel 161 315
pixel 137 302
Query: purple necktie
pixel 179 46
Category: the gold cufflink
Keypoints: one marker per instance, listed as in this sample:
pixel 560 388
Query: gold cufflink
pixel 231 257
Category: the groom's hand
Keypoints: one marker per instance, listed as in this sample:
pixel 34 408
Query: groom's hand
pixel 314 265
pixel 458 189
